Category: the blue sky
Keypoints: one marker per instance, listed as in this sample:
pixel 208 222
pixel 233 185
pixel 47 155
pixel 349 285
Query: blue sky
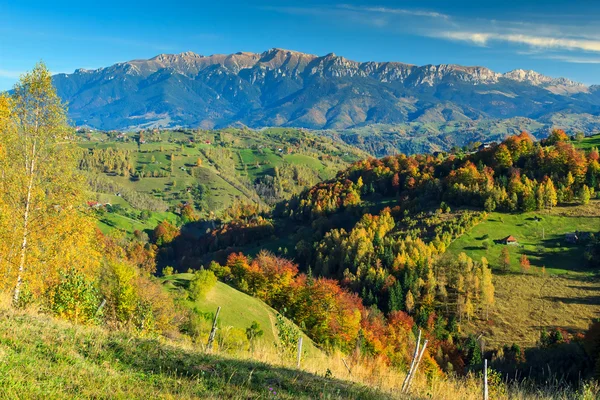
pixel 557 38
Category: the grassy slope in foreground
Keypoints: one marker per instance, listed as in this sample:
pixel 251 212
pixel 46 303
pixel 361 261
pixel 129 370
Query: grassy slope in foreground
pixel 565 297
pixel 47 359
pixel 238 310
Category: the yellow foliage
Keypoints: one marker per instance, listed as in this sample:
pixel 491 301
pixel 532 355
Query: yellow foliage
pixel 43 225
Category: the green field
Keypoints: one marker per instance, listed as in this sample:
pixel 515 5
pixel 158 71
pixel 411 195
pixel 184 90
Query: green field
pixel 565 296
pixel 589 142
pixel 238 310
pixel 232 161
pixel 543 241
pixel 109 221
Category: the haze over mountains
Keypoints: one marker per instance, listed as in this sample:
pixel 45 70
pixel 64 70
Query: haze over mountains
pixel 288 88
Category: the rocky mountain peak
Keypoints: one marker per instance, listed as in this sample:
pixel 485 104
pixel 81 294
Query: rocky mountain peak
pixel 291 88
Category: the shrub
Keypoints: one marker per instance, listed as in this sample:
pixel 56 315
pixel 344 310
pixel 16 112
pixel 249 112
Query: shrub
pixel 288 335
pixel 253 332
pixel 74 297
pixel 232 340
pixel 204 280
pixel 118 288
pixel 168 271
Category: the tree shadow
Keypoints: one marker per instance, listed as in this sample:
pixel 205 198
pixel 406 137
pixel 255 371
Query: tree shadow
pixel 227 376
pixel 474 248
pixel 584 300
pixel 559 254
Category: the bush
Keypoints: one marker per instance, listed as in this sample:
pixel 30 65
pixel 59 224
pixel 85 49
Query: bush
pixel 204 280
pixel 253 332
pixel 288 335
pixel 232 340
pixel 118 288
pixel 75 298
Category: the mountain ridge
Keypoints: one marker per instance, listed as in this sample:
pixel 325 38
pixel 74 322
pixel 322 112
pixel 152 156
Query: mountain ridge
pixel 485 74
pixel 281 87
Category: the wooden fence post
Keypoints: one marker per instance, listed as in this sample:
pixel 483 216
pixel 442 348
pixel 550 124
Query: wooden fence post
pixel 412 364
pixel 213 331
pixel 417 364
pixel 347 367
pixel 299 350
pixel 485 380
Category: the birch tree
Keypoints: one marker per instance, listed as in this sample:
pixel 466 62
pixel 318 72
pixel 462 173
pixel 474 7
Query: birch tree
pixel 40 188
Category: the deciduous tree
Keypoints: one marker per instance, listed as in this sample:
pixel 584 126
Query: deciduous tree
pixel 41 189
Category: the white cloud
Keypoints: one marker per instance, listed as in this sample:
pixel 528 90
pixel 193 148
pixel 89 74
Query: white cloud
pixel 397 11
pixel 482 38
pixel 573 60
pixel 561 42
pixel 10 74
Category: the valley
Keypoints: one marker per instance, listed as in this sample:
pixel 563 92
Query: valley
pixel 343 260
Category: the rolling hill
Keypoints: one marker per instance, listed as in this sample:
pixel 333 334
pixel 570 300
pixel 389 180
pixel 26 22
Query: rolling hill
pixel 238 310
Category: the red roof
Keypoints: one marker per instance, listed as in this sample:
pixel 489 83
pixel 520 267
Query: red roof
pixel 510 239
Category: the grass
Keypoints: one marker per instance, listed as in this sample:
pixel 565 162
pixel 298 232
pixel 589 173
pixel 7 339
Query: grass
pixel 526 303
pixel 44 358
pixel 543 242
pixel 238 310
pixel 588 142
pixel 110 221
pixel 567 296
pixel 47 359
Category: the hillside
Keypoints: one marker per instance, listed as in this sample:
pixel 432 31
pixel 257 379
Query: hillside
pixel 48 359
pixel 238 310
pixel 562 295
pixel 293 89
pixel 211 169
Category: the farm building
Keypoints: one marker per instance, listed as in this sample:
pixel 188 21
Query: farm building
pixel 509 240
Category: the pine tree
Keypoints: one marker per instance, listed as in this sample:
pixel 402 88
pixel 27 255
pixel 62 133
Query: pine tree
pixel 584 194
pixel 409 303
pixel 550 196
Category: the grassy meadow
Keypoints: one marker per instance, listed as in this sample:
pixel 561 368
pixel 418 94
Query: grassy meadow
pixel 238 310
pixel 231 162
pixel 541 237
pixel 565 296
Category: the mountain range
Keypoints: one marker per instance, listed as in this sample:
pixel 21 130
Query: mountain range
pixel 288 88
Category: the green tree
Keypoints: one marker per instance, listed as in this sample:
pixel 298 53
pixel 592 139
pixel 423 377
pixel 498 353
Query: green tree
pixel 503 156
pixel 288 335
pixel 253 333
pixel 203 281
pixel 550 195
pixel 75 297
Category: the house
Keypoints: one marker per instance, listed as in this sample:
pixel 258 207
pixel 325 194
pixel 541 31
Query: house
pixel 509 240
pixel 571 237
pixel 484 146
